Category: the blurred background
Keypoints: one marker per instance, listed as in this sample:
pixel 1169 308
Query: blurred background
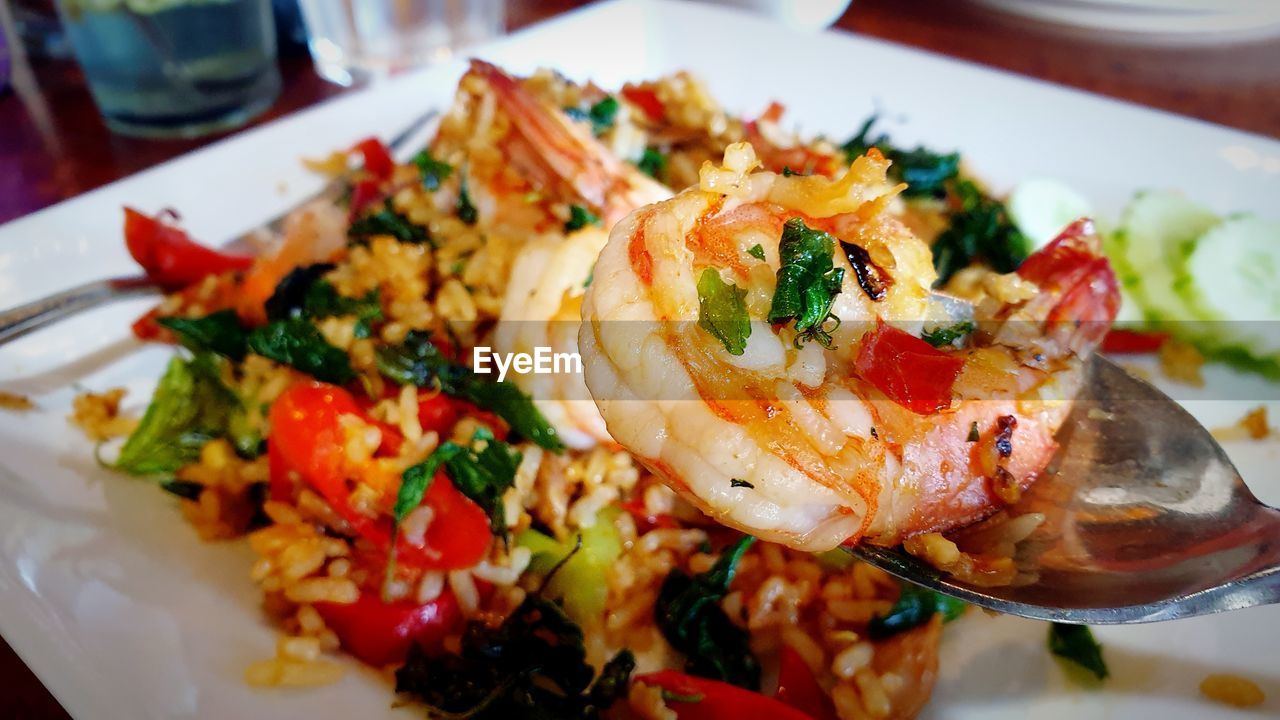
pixel 94 90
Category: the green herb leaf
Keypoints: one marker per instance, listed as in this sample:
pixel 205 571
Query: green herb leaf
pixel 580 217
pixel 974 435
pixel 1077 644
pixel 735 482
pixel 184 489
pixel 980 229
pixel 652 163
pixel 940 336
pixel 756 251
pixel 433 171
pixel 531 666
pixel 388 222
pixel 465 209
pixel 290 296
pixel 808 281
pixel 218 332
pixel 722 311
pixel 914 607
pixel 418 362
pixel 689 615
pixel 190 407
pixel 925 171
pixel 482 471
pixel 297 343
pixel 601 115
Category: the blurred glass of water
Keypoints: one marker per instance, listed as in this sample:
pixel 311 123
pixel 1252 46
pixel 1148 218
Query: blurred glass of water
pixel 175 68
pixel 354 40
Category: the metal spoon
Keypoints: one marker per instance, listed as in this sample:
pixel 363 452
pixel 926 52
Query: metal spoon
pixel 1146 520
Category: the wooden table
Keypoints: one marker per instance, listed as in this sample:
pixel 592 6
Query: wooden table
pixel 51 135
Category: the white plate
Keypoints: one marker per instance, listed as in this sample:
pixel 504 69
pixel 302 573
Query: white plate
pixel 123 613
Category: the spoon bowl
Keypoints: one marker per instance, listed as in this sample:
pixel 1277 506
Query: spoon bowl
pixel 1146 519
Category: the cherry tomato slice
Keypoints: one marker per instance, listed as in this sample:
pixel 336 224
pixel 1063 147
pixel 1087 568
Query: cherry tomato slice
pixel 377 158
pixel 1120 341
pixel 695 698
pixel 380 633
pixel 913 373
pixel 172 258
pixel 798 687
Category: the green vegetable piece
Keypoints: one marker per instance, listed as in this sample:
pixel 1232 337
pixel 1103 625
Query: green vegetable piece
pixel 756 251
pixel 581 583
pixel 388 222
pixel 434 172
pixel 942 336
pixel 218 332
pixel 689 615
pixel 417 361
pixel 1077 644
pixel 980 230
pixel 974 435
pixel 722 311
pixel 652 163
pixel 190 407
pixel 290 296
pixel 735 482
pixel 580 217
pixel 297 343
pixel 914 607
pixel 303 293
pixel 808 282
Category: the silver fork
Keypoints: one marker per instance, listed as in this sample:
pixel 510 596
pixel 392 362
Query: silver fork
pixel 26 318
pixel 1146 519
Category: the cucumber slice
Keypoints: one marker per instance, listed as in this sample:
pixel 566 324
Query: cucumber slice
pixel 1231 280
pixel 1042 208
pixel 1156 233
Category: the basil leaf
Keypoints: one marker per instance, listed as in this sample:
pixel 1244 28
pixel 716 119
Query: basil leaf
pixel 418 362
pixel 980 229
pixel 941 336
pixel 190 407
pixel 389 222
pixel 914 607
pixel 652 163
pixel 1077 644
pixel 722 311
pixel 808 281
pixel 297 343
pixel 689 615
pixel 464 208
pixel 483 475
pixel 218 332
pixel 601 115
pixel 580 217
pixel 925 171
pixel 433 171
pixel 756 251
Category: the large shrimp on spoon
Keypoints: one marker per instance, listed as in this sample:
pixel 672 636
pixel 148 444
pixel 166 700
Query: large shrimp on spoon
pixel 757 342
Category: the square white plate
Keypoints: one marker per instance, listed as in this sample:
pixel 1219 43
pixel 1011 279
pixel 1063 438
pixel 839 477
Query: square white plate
pixel 123 613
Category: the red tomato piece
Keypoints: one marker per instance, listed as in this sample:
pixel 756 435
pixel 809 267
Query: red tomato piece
pixel 380 633
pixel 647 100
pixel 437 413
pixel 172 258
pixel 798 687
pixel 695 698
pixel 307 438
pixel 913 373
pixel 377 158
pixel 366 193
pixel 1121 341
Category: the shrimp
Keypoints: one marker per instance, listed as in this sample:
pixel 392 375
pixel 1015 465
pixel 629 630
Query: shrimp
pixel 551 269
pixel 848 427
pixel 313 233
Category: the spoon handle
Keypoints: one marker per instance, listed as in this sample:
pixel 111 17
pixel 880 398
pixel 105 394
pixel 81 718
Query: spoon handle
pixel 19 321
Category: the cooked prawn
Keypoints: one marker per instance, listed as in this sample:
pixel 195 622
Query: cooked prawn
pixel 559 161
pixel 854 429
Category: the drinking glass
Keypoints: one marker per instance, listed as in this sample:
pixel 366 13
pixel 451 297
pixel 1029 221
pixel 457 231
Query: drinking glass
pixel 175 68
pixel 354 40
